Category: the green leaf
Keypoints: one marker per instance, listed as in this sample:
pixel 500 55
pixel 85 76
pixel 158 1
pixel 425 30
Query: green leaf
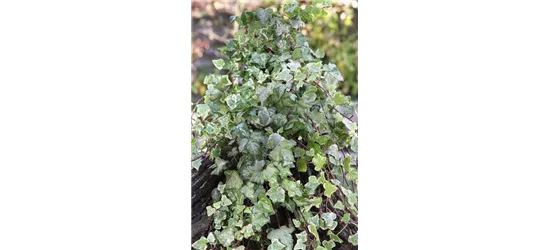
pixel 276 194
pixel 346 217
pixel 329 189
pixel 196 164
pixel 210 210
pixel 353 239
pixel 354 144
pixel 263 93
pixel 328 244
pixel 276 245
pixel 352 174
pixel 283 235
pixel 302 165
pixel 274 140
pixel 224 81
pixel 312 229
pixel 219 63
pixel 248 231
pixel 264 205
pixel 347 163
pixel 233 101
pixel 264 117
pixel 259 218
pixel 334 237
pixel 340 99
pixel 217 205
pixel 211 238
pixel 202 110
pixel 297 223
pixel 301 240
pixel 314 220
pixel 329 221
pixel 311 185
pixel 284 75
pixel 319 53
pixel 225 237
pixel 200 244
pixel 339 206
pixel 297 23
pixel 225 201
pixel 233 180
pixel 219 166
pixel 292 188
pixel 319 161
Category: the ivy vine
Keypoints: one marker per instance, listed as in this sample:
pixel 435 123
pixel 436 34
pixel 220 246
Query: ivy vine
pixel 282 137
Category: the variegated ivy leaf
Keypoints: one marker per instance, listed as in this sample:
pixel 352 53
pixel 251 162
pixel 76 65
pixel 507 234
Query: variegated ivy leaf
pixel 312 229
pixel 274 140
pixel 248 231
pixel 264 205
pixel 354 144
pixel 334 237
pixel 316 202
pixel 276 194
pixel 352 174
pixel 346 218
pixel 210 210
pixel 264 117
pixel 301 240
pixel 293 65
pixel 297 223
pixel 259 218
pixel 225 201
pixel 233 180
pixel 263 93
pixel 314 220
pixel 284 75
pixel 297 23
pixel 225 237
pixel 353 239
pixel 219 63
pixel 211 238
pixel 219 166
pixel 334 152
pixel 202 110
pixel 292 187
pixel 329 189
pixel 311 185
pixel 221 187
pixel 283 235
pixel 352 197
pixel 224 81
pixel 196 164
pixel 328 244
pixel 276 245
pixel 233 101
pixel 201 244
pixel 320 161
pixel 339 206
pixel 329 221
pixel 340 99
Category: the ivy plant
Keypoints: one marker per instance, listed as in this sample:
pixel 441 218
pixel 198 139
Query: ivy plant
pixel 282 137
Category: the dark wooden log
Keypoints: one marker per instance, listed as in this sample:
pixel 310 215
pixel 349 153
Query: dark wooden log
pixel 203 182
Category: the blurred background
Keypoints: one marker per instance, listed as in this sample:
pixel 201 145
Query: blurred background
pixel 335 33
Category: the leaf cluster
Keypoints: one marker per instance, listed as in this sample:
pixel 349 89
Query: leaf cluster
pixel 281 134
